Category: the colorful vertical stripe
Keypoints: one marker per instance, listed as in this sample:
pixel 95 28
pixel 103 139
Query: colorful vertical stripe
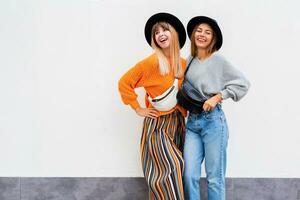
pixel 161 152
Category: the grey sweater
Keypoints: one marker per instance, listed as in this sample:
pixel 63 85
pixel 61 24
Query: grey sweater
pixel 216 75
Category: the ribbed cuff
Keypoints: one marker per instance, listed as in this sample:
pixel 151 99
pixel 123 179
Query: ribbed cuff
pixel 225 94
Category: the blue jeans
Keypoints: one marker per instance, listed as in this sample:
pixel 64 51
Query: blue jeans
pixel 206 137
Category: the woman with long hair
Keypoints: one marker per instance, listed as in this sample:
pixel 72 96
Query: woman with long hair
pixel 215 80
pixel 160 74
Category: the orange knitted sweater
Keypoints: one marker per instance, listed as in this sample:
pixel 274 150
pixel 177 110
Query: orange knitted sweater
pixel 146 74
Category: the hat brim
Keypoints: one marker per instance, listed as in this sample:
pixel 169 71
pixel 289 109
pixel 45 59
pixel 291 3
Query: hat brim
pixel 214 25
pixel 172 20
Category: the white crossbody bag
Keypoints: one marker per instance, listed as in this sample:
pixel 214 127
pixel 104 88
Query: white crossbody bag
pixel 167 100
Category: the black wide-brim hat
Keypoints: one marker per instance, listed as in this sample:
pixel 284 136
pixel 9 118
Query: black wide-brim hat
pixel 211 22
pixel 165 17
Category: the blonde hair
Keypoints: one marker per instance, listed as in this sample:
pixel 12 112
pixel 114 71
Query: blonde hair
pixel 164 66
pixel 210 49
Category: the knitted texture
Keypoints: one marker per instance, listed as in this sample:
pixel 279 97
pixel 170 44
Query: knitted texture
pixel 146 74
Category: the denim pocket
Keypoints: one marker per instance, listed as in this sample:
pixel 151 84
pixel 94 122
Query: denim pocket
pixel 192 122
pixel 212 115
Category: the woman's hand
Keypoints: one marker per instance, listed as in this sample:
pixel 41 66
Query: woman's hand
pixel 147 112
pixel 211 103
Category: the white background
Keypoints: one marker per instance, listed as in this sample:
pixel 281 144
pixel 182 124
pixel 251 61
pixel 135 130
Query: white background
pixel 60 61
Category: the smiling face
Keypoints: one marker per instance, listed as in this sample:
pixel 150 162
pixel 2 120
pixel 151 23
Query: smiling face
pixel 162 36
pixel 203 36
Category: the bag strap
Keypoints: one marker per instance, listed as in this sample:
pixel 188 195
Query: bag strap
pixel 188 66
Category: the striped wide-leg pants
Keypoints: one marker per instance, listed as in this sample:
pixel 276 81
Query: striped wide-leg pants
pixel 161 153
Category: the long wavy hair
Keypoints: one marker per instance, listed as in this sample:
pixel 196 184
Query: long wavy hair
pixel 164 66
pixel 209 50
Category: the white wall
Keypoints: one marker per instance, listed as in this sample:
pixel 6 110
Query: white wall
pixel 60 111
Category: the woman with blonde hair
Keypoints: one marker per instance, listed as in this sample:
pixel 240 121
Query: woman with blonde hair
pixel 160 74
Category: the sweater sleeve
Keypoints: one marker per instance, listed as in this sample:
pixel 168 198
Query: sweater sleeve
pixel 128 82
pixel 236 85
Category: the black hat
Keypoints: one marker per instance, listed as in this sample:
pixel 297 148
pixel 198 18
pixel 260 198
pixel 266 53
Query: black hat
pixel 165 17
pixel 211 22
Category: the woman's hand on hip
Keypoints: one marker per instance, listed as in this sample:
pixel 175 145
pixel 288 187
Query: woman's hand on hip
pixel 211 103
pixel 147 112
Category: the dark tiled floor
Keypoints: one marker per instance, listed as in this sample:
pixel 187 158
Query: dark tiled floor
pixel 135 189
pixel 9 188
pixel 82 188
